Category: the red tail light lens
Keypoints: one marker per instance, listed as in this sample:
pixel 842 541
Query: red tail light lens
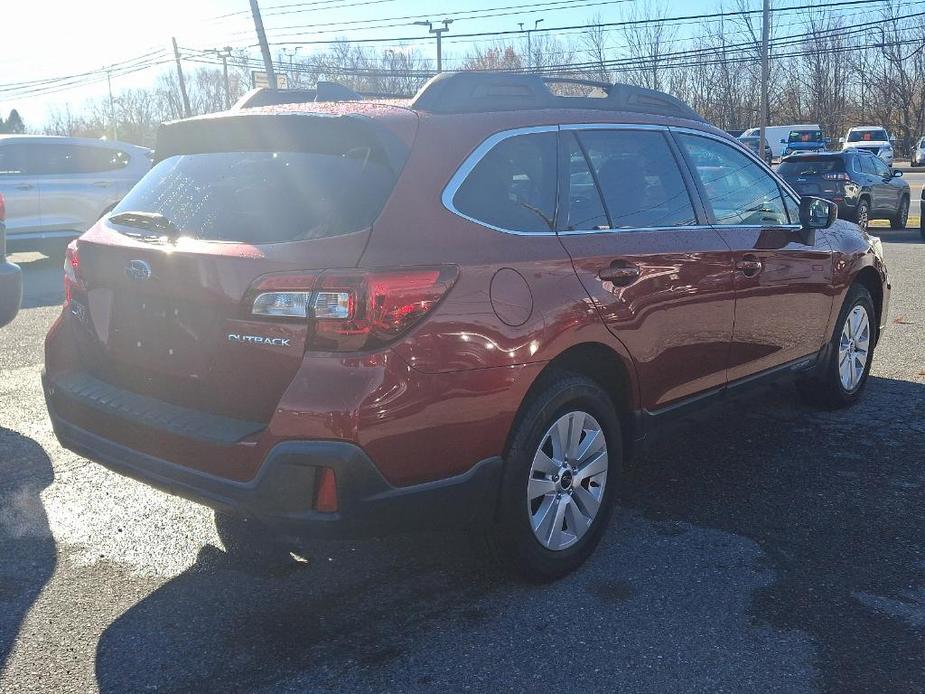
pixel 326 490
pixel 72 279
pixel 2 208
pixel 840 176
pixel 353 310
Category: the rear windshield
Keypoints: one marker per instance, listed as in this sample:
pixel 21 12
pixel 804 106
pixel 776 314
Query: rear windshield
pixel 868 136
pixel 805 136
pixel 811 166
pixel 265 197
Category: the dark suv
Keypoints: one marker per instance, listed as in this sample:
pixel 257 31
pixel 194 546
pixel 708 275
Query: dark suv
pixel 858 181
pixel 466 310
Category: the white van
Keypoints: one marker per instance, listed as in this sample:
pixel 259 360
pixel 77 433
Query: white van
pixel 775 133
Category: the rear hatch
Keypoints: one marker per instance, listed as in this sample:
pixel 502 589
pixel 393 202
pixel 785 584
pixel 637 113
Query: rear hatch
pixel 808 175
pixel 168 278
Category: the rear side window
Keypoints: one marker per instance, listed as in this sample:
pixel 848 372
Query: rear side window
pixel 737 188
pixel 14 159
pixel 95 159
pixel 513 187
pixel 867 165
pixel 639 178
pixel 265 197
pixel 585 208
pixel 811 166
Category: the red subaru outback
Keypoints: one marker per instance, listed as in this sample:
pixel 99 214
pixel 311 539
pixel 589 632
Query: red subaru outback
pixel 467 310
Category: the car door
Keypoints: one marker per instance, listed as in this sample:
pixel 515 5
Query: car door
pixel 891 188
pixel 874 182
pixel 783 278
pixel 660 279
pixel 19 187
pixel 77 187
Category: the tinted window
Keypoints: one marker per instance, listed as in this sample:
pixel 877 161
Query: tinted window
pixel 639 178
pixel 805 136
pixel 866 162
pixel 585 209
pixel 14 159
pixel 94 159
pixel 868 136
pixel 810 166
pixel 793 210
pixel 738 189
pixel 880 167
pixel 265 197
pixel 514 185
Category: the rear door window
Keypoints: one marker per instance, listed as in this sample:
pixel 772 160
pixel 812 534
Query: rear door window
pixel 585 209
pixel 264 196
pixel 639 178
pixel 866 162
pixel 740 191
pixel 513 187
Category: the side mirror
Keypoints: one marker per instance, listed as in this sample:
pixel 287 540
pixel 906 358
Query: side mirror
pixel 783 141
pixel 841 140
pixel 897 173
pixel 816 213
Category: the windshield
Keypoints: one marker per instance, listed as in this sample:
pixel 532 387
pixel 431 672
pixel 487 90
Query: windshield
pixel 810 166
pixel 264 197
pixel 805 136
pixel 868 136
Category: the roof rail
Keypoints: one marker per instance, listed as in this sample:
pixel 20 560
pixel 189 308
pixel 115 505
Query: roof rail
pixel 473 92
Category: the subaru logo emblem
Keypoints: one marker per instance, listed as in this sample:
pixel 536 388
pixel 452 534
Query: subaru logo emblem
pixel 138 270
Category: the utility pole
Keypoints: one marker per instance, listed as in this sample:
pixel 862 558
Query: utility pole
pixel 176 55
pixel 112 106
pixel 264 46
pixel 224 54
pixel 439 32
pixel 765 36
pixel 529 41
pixel 290 53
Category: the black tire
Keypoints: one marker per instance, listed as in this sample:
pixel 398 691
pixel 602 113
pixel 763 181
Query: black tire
pixel 251 544
pixel 824 388
pixel 862 213
pixel 511 539
pixel 901 218
pixel 922 224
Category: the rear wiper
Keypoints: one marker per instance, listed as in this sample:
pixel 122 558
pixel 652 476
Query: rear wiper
pixel 150 221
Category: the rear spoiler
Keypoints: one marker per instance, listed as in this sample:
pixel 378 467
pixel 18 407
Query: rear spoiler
pixel 243 131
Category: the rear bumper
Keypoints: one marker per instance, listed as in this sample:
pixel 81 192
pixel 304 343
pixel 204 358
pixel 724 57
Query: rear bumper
pixel 282 494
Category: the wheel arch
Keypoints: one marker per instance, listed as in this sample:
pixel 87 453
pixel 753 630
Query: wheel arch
pixel 601 364
pixel 869 278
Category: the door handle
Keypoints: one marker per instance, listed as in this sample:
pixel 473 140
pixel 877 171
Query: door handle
pixel 620 274
pixel 25 186
pixel 749 266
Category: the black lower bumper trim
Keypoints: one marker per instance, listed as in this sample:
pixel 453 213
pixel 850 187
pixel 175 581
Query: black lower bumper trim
pixel 282 493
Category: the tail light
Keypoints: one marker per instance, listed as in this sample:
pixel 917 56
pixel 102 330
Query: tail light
pixel 2 208
pixel 325 490
pixel 352 310
pixel 72 279
pixel 840 176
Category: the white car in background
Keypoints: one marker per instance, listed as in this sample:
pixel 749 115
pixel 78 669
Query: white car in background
pixel 918 156
pixel 873 138
pixel 775 133
pixel 57 187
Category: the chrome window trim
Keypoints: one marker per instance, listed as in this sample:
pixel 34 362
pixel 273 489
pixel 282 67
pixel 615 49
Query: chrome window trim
pixel 782 184
pixel 470 162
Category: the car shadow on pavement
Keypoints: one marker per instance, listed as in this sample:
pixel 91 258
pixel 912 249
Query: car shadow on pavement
pixel 836 502
pixel 42 276
pixel 769 547
pixel 27 548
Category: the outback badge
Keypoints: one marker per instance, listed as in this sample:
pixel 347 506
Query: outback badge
pixel 259 340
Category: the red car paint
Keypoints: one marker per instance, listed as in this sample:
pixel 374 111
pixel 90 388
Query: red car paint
pixel 444 396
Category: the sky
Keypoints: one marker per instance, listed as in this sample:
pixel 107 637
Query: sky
pixel 50 39
pixel 47 39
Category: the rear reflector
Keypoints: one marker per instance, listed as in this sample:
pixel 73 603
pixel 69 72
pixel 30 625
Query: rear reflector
pixel 325 490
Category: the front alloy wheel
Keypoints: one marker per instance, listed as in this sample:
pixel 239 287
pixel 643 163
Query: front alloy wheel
pixel 567 479
pixel 854 348
pixel 862 216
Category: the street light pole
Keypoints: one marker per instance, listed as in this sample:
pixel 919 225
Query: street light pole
pixel 264 45
pixel 224 54
pixel 439 32
pixel 290 53
pixel 112 105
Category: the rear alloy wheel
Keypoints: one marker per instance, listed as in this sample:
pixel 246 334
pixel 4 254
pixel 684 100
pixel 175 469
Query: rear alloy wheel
pixel 840 380
pixel 902 215
pixel 559 477
pixel 862 214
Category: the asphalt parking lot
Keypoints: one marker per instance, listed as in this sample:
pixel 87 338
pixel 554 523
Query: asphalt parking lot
pixel 767 548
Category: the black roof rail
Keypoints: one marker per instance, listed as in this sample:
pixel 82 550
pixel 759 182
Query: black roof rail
pixel 473 92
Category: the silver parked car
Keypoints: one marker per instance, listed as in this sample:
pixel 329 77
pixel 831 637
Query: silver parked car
pixel 57 187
